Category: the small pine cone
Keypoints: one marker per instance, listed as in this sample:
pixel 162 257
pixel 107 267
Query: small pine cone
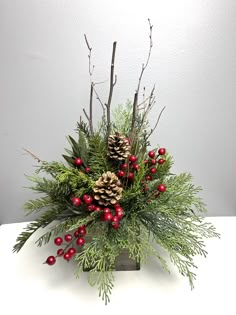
pixel 118 147
pixel 107 189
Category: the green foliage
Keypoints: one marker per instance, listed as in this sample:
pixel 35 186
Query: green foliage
pixel 170 220
pixel 122 118
pixel 98 160
pixel 99 259
pixel 78 148
pixel 37 204
pixel 56 229
pixel 44 220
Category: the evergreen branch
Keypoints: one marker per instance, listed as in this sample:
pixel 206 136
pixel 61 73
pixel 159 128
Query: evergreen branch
pixel 184 266
pixel 32 227
pixel 96 258
pixel 98 161
pixel 37 204
pixel 55 230
pixel 104 280
pixel 82 126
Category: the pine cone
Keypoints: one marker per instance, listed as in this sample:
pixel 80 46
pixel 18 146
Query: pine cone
pixel 118 147
pixel 107 189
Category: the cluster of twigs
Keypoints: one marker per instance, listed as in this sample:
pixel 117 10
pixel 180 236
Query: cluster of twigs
pixel 145 106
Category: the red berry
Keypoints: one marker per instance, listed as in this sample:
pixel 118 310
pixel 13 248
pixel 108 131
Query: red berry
pixel 83 232
pixel 153 161
pixel 123 166
pixel 162 151
pixel 145 161
pixel 148 177
pixel 76 234
pixel 131 176
pixel 68 237
pixel 78 162
pixel 115 225
pixel 108 216
pixel 161 161
pixel 153 170
pixel 115 219
pixel 97 208
pixel 151 154
pixel 118 209
pixel 135 166
pixel 161 188
pixel 80 241
pixel 102 217
pixel 82 227
pixel 120 214
pixel 58 241
pixel 76 201
pixel 51 260
pixel 71 251
pixel 87 199
pixel 67 256
pixel 91 207
pixel 87 169
pixel 60 252
pixel 106 210
pixel 132 158
pixel 121 174
pixel 116 205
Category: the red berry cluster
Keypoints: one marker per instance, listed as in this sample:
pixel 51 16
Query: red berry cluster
pixel 69 251
pixel 127 170
pixel 113 216
pixel 79 162
pixel 86 199
pixel 153 160
pixel 106 213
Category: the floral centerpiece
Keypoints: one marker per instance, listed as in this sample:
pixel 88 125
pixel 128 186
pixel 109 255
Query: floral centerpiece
pixel 115 193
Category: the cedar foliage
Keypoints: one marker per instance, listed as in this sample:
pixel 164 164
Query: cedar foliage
pixel 173 219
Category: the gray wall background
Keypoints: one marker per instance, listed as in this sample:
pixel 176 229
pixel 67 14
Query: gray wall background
pixel 44 84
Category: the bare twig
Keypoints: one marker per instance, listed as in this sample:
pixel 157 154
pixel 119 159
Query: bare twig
pixel 101 82
pixel 112 84
pixel 158 119
pixel 92 89
pixel 91 109
pixel 32 155
pixel 144 66
pixel 134 113
pixel 86 115
pixel 99 100
pixel 89 55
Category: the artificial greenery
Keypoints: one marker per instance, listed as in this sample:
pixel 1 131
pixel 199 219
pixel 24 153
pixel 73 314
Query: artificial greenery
pixel 171 218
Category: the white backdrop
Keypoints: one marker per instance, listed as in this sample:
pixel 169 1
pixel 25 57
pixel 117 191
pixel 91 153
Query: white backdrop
pixel 44 84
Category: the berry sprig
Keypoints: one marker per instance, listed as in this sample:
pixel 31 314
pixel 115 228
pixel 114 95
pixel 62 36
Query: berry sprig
pixel 127 171
pixel 152 161
pixel 113 216
pixel 69 250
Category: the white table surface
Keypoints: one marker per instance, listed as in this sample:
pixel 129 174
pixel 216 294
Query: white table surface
pixel 30 287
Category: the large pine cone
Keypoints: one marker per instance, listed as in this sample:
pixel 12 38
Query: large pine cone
pixel 107 189
pixel 118 147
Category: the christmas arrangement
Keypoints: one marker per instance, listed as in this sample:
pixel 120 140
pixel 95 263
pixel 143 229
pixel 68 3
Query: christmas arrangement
pixel 113 192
